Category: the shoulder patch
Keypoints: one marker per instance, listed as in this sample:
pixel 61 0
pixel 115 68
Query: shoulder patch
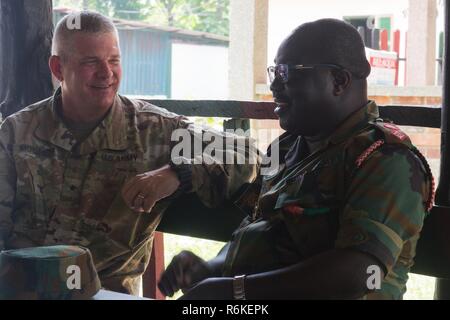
pixel 392 133
pixel 395 131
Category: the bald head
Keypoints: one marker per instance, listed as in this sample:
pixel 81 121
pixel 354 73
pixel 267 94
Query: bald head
pixel 328 41
pixel 87 22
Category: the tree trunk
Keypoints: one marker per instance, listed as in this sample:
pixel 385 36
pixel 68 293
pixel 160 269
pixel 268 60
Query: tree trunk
pixel 26 30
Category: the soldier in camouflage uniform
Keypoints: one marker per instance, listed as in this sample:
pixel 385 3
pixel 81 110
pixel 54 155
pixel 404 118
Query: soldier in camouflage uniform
pixel 76 167
pixel 349 197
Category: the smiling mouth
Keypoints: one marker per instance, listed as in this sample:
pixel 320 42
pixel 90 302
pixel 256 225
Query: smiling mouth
pixel 101 87
pixel 281 101
pixel 280 106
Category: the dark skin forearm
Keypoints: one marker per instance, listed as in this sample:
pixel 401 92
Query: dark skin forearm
pixel 336 274
pixel 216 264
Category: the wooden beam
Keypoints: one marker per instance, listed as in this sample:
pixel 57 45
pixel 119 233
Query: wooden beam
pixel 401 115
pixel 412 115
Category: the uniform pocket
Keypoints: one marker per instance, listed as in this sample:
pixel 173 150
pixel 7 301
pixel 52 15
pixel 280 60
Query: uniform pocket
pixel 259 246
pixel 38 183
pixel 313 230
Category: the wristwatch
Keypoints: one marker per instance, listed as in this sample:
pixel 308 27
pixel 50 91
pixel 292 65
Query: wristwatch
pixel 239 287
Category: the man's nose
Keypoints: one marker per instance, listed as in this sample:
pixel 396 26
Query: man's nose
pixel 276 85
pixel 105 70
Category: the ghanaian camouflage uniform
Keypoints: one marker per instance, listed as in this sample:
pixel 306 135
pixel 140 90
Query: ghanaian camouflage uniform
pixel 369 189
pixel 44 273
pixel 54 190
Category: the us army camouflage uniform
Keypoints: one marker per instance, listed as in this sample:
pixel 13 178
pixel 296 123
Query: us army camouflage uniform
pixel 367 190
pixel 54 190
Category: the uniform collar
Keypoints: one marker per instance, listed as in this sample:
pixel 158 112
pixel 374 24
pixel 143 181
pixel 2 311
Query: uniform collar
pixel 111 133
pixel 355 122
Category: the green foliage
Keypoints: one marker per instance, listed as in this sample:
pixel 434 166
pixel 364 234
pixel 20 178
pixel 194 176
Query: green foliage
pixel 174 244
pixel 202 15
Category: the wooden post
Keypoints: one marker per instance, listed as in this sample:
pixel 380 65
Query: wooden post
pixel 248 47
pixel 26 30
pixel 154 269
pixel 247 54
pixel 396 48
pixel 421 43
pixel 443 190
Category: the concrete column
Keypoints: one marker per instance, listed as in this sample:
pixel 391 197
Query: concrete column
pixel 421 43
pixel 248 47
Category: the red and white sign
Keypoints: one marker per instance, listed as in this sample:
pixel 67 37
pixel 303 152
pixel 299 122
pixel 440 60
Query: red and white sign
pixel 384 65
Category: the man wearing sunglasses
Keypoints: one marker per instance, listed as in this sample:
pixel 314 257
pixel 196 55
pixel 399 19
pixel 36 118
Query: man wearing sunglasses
pixel 341 217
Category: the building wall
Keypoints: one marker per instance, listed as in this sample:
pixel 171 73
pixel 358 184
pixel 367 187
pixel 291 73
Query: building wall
pixel 199 72
pixel 146 63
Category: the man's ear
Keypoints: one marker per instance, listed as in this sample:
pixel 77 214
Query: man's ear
pixel 56 67
pixel 342 80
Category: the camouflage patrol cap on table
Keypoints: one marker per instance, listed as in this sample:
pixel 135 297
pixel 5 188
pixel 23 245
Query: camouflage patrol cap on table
pixel 54 272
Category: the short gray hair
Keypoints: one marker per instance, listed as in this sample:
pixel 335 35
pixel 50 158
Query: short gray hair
pixel 79 22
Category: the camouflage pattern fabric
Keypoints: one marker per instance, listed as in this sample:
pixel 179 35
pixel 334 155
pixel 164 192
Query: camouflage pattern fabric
pixel 332 199
pixel 43 273
pixel 55 190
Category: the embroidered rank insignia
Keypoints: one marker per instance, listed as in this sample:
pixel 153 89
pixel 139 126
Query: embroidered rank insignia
pixel 395 131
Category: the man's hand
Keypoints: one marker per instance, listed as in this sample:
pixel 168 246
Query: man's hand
pixel 144 190
pixel 185 270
